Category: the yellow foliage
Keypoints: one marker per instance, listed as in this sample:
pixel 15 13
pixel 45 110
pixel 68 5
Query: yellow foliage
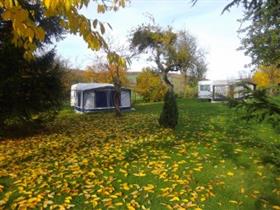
pixel 150 86
pixel 107 75
pixel 25 29
pixel 267 76
pixel 261 79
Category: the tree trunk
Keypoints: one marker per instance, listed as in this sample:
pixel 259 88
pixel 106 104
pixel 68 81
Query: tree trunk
pixel 164 72
pixel 2 127
pixel 167 82
pixel 185 79
pixel 117 95
pixel 117 102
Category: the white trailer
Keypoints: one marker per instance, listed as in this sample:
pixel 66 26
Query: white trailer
pixel 205 89
pixel 220 90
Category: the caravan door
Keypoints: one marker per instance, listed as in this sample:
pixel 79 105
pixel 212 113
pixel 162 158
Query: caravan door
pixel 101 99
pixel 205 89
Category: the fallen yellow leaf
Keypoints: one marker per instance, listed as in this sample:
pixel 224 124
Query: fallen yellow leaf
pixel 230 173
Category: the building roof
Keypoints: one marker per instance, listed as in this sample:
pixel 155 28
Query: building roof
pixel 90 86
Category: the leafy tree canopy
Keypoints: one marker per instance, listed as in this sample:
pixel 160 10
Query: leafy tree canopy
pixel 170 51
pixel 27 31
pixel 105 74
pixel 262 40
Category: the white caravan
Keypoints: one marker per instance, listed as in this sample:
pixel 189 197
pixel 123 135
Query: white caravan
pixel 220 90
pixel 205 89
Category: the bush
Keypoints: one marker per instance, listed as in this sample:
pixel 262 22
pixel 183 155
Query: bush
pixel 190 91
pixel 169 115
pixel 150 86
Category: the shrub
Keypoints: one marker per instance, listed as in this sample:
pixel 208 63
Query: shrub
pixel 150 86
pixel 267 76
pixel 190 91
pixel 169 115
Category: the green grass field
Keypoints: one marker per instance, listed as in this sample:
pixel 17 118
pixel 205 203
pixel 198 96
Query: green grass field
pixel 212 161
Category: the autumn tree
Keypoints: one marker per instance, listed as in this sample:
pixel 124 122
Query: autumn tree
pixel 70 76
pixel 102 74
pixel 150 86
pixel 26 30
pixel 170 51
pixel 112 69
pixel 110 73
pixel 261 79
pixel 116 64
pixel 267 77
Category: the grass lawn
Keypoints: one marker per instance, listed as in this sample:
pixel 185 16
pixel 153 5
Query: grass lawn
pixel 212 161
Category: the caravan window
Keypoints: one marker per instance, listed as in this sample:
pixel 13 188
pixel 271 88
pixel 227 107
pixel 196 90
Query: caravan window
pixel 205 87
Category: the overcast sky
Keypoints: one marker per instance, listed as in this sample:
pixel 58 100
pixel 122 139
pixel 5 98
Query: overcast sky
pixel 215 33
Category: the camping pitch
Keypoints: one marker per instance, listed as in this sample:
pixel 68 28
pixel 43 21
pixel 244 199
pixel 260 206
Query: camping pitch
pixel 92 97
